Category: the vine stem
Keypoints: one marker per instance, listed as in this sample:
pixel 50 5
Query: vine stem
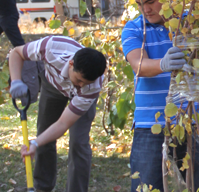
pixel 142 48
pixel 164 159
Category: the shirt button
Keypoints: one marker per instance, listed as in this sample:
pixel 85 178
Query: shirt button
pixel 161 29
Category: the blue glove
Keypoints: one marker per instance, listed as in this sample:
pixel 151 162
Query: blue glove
pixel 18 89
pixel 173 60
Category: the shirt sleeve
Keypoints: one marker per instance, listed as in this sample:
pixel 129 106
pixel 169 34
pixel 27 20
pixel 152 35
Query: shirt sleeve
pixel 36 50
pixel 132 37
pixel 81 103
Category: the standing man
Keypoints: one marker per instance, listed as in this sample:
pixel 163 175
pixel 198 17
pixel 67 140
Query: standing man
pixel 9 24
pixel 73 73
pixel 159 59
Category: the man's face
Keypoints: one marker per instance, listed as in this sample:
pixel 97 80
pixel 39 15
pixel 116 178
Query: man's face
pixel 76 77
pixel 151 10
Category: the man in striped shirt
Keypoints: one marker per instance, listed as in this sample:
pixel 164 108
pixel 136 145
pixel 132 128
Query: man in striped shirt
pixel 159 59
pixel 73 73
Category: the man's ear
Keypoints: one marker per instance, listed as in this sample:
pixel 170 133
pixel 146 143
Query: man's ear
pixel 71 62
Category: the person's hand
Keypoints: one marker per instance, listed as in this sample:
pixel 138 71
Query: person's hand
pixel 18 89
pixel 31 152
pixel 173 60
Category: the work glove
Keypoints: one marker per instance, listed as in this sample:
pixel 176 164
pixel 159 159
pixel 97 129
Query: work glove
pixel 173 60
pixel 18 89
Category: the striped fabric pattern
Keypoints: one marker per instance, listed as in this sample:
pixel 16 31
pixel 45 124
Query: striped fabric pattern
pixel 151 92
pixel 56 52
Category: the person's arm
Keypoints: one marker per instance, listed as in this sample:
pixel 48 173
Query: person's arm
pixel 149 67
pixel 172 60
pixel 16 60
pixel 55 131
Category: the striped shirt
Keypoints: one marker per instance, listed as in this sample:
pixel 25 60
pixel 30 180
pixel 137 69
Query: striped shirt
pixel 151 92
pixel 56 52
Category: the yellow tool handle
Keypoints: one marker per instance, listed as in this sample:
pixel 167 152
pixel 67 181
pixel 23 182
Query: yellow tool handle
pixel 29 176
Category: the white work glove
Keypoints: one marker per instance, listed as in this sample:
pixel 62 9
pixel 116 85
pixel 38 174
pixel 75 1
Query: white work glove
pixel 173 60
pixel 18 89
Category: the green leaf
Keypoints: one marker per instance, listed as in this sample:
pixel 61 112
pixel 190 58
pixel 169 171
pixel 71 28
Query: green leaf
pixel 128 71
pixel 111 84
pixel 133 105
pixel 82 7
pixel 155 190
pixel 156 129
pixel 123 107
pixel 109 121
pixel 2 100
pixel 97 13
pixel 54 24
pixel 126 95
pixel 170 110
pixel 114 109
pixel 167 13
pixel 65 32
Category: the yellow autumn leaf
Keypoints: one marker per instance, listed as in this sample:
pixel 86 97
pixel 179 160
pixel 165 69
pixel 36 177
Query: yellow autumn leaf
pixel 187 156
pixel 195 31
pixel 131 2
pixel 156 129
pixel 120 149
pixel 168 13
pixel 157 115
pixel 135 175
pixel 120 48
pixel 196 63
pixel 71 31
pixel 97 33
pixel 173 23
pixel 126 174
pixel 102 36
pixel 172 145
pixel 168 164
pixel 102 21
pixel 6 146
pixel 170 110
pixel 165 6
pixel 65 133
pixel 184 30
pixel 188 128
pixel 178 8
pixel 5 118
pixel 190 19
pixel 170 36
pixel 68 24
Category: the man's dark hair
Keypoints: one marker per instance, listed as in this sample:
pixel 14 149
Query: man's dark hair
pixel 90 63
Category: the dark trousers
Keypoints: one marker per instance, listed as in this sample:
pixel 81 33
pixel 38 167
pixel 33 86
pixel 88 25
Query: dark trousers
pixel 146 158
pixel 51 105
pixel 9 25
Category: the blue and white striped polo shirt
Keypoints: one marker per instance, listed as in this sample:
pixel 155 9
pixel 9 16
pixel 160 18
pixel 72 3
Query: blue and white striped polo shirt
pixel 151 92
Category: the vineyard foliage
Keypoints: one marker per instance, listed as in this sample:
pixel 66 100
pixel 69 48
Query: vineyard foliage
pixel 116 99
